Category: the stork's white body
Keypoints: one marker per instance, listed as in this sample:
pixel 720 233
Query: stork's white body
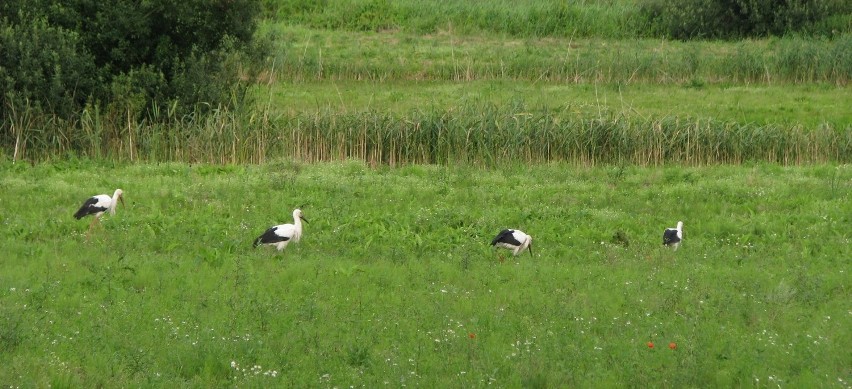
pixel 515 240
pixel 97 205
pixel 673 236
pixel 281 235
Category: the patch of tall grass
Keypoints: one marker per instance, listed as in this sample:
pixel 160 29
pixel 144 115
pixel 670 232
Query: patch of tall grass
pixel 526 18
pixel 493 135
pixel 309 54
pixel 481 134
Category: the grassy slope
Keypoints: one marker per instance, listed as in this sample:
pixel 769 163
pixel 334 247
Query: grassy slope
pixel 394 275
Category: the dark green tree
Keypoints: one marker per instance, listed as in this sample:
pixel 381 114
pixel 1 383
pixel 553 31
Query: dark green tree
pixel 59 55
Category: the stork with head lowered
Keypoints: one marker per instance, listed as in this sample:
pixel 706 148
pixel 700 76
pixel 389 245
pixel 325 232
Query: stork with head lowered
pixel 97 205
pixel 281 235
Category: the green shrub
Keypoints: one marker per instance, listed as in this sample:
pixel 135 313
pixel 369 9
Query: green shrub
pixel 124 56
pixel 44 65
pixel 731 19
pixel 125 39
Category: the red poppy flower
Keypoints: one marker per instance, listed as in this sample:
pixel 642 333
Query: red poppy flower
pixel 672 345
pixel 650 344
pixel 471 335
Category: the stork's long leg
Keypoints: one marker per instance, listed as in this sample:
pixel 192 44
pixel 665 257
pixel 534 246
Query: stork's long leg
pixel 91 226
pixel 500 256
pixel 89 231
pixel 101 226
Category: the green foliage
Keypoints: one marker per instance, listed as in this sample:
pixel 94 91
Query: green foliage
pixel 42 68
pixel 123 56
pixel 394 282
pixel 123 34
pixel 735 19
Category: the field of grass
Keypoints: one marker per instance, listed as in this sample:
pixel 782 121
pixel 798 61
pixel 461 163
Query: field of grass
pixel 808 106
pixel 775 81
pixel 394 283
pixel 302 53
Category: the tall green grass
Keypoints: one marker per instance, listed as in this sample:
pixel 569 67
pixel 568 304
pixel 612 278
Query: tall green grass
pixel 483 134
pixel 526 18
pixel 310 54
pixel 606 19
pixel 492 135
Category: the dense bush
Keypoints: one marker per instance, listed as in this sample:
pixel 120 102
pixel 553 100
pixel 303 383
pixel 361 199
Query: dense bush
pixel 732 19
pixel 125 56
pixel 42 66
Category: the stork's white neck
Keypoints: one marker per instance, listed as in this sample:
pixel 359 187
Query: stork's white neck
pixel 297 223
pixel 114 201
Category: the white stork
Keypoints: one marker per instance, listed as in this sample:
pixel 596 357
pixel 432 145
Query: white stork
pixel 515 240
pixel 97 205
pixel 673 236
pixel 282 234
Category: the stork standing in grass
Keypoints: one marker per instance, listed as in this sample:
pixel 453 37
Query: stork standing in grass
pixel 282 234
pixel 515 240
pixel 673 236
pixel 97 205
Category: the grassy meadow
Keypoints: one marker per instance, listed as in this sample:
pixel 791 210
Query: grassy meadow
pixel 410 133
pixel 394 283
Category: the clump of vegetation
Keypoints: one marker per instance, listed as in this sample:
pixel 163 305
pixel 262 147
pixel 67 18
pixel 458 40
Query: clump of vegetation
pixel 735 19
pixel 124 58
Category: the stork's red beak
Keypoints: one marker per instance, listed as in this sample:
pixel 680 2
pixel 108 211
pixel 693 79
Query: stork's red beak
pixel 303 219
pixel 121 198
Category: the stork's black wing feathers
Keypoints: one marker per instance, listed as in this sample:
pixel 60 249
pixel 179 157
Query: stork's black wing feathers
pixel 269 236
pixel 670 236
pixel 506 236
pixel 87 208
